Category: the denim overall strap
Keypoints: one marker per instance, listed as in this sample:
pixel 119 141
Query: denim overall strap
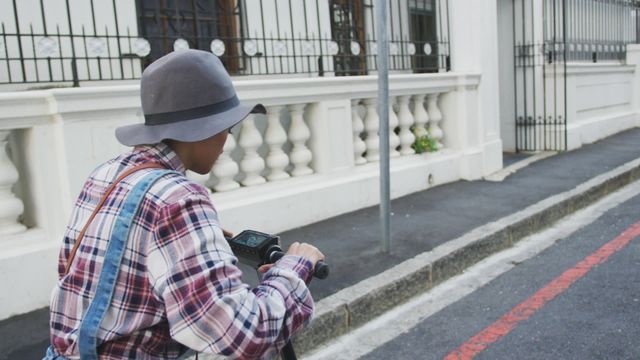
pixel 90 325
pixel 53 355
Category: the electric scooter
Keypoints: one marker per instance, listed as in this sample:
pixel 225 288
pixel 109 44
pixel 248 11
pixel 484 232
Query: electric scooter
pixel 255 249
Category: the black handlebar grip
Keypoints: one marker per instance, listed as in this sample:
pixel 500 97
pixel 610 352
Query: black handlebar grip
pixel 321 271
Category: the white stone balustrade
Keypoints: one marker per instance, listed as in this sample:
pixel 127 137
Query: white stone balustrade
pixel 411 115
pixel 225 169
pixel 394 140
pixel 299 134
pixel 275 137
pixel 420 115
pixel 406 120
pixel 11 207
pixel 371 126
pixel 435 117
pixel 251 164
pixel 359 147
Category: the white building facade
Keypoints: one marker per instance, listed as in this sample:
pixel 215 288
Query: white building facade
pixel 461 86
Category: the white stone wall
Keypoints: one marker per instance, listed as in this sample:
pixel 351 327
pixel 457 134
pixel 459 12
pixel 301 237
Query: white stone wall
pixel 600 101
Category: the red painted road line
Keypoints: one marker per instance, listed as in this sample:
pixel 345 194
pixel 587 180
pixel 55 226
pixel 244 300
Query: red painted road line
pixel 527 308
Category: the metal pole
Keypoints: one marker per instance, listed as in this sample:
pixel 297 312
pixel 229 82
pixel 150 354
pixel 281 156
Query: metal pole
pixel 383 113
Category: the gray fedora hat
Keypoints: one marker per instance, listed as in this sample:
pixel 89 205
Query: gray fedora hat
pixel 187 96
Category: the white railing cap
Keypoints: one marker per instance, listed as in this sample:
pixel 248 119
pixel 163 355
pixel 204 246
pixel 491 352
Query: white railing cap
pixel 298 90
pixel 25 109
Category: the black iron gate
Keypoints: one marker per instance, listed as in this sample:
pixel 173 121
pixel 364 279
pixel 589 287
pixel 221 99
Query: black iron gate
pixel 547 34
pixel 540 74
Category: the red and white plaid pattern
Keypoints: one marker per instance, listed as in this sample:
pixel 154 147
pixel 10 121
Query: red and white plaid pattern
pixel 178 285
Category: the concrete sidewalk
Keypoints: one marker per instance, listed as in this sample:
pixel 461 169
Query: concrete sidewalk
pixel 435 235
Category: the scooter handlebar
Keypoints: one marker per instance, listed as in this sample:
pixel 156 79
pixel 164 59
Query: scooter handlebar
pixel 321 271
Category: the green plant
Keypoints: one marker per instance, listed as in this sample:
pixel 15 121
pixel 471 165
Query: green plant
pixel 425 144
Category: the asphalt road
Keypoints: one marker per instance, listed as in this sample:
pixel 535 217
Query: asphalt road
pixel 595 317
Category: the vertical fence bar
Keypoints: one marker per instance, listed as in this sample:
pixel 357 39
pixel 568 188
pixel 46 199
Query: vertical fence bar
pixel 439 20
pixel 390 16
pixel 115 18
pixel 275 7
pixel 554 16
pixel 64 78
pixel 522 56
pixel 293 40
pixel 45 32
pixel 574 24
pixel 19 38
pixel 264 40
pixel 238 44
pixel 133 72
pixel 545 29
pixel 196 27
pixel 637 13
pixel 515 71
pixel 564 37
pixel 106 33
pixel 86 54
pixel 402 45
pixel 6 51
pixel 320 40
pixel 33 48
pixel 375 31
pixel 74 69
pixel 93 19
pixel 531 53
pixel 306 36
pixel 448 58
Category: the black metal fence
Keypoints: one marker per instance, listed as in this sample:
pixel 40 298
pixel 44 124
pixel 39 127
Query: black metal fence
pixel 66 42
pixel 547 35
pixel 591 30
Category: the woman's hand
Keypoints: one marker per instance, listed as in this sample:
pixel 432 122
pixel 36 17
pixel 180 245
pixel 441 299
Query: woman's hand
pixel 304 250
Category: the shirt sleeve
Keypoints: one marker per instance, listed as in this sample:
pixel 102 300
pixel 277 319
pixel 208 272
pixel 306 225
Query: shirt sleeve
pixel 209 309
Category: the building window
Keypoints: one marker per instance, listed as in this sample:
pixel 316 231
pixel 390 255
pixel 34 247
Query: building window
pixel 347 30
pixel 198 22
pixel 423 33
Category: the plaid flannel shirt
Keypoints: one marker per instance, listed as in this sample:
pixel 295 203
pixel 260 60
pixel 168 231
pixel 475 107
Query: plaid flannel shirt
pixel 178 284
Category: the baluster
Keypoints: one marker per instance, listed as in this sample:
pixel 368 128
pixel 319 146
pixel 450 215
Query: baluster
pixel 406 120
pixel 11 206
pixel 225 169
pixel 251 164
pixel 394 140
pixel 359 146
pixel 420 115
pixel 371 125
pixel 299 133
pixel 435 117
pixel 275 137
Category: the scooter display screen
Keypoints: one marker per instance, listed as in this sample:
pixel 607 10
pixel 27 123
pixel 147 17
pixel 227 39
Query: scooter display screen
pixel 250 239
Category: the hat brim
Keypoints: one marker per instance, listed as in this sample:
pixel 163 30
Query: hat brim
pixel 188 130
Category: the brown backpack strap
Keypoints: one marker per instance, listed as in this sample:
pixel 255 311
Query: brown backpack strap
pixel 72 254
